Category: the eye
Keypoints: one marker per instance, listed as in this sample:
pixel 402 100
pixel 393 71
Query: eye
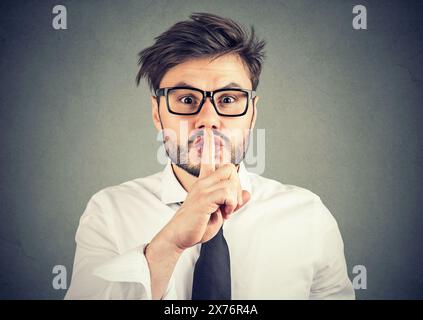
pixel 228 99
pixel 187 100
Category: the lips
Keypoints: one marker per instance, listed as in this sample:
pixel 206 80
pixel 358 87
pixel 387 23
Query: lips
pixel 199 141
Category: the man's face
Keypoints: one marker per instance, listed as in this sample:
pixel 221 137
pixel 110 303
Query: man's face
pixel 183 134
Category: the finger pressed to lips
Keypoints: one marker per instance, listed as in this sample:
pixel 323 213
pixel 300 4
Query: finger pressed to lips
pixel 199 143
pixel 221 155
pixel 224 184
pixel 208 154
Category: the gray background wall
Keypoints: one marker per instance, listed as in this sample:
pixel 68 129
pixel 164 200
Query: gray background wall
pixel 341 109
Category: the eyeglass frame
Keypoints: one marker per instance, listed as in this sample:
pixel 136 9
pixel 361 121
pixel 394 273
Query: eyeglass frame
pixel 163 92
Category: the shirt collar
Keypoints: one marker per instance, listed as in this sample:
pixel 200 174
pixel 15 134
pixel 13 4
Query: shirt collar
pixel 173 192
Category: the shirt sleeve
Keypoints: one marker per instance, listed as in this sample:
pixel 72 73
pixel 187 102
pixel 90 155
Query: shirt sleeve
pixel 331 280
pixel 100 271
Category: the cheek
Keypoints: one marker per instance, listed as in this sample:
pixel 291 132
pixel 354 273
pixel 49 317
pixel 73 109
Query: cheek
pixel 170 128
pixel 180 128
pixel 237 127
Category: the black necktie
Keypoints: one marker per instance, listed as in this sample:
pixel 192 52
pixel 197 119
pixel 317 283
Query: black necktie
pixel 212 272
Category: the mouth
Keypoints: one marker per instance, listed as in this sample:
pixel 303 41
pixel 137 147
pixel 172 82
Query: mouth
pixel 199 142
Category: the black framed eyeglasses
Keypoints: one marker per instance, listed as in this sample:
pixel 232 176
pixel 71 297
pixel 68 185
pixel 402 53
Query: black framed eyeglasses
pixel 228 102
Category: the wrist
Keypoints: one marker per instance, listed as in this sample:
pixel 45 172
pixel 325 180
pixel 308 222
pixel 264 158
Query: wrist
pixel 161 247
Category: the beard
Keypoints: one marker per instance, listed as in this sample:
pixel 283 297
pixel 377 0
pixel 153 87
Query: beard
pixel 179 154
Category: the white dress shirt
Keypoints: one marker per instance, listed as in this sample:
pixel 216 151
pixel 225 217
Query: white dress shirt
pixel 284 243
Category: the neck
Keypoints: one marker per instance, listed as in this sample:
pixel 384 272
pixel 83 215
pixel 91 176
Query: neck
pixel 185 179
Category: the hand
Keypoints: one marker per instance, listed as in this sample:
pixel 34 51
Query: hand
pixel 213 198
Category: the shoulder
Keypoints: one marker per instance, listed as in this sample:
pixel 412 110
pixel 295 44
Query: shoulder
pixel 266 188
pixel 291 199
pixel 127 193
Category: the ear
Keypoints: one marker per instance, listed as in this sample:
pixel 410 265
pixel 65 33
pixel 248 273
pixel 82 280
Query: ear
pixel 255 101
pixel 155 113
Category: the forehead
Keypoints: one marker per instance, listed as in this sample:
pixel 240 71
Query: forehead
pixel 208 74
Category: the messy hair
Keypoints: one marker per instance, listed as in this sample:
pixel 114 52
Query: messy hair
pixel 205 35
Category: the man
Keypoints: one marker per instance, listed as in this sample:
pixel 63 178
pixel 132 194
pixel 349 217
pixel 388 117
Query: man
pixel 205 228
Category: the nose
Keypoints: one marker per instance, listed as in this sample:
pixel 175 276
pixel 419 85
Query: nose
pixel 208 117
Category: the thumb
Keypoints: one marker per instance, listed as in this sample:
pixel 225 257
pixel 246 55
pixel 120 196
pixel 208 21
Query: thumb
pixel 245 198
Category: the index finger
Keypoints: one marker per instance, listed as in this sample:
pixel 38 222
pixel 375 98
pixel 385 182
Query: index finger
pixel 207 165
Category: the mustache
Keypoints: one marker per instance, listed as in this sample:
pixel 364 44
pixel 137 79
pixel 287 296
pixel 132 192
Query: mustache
pixel 200 133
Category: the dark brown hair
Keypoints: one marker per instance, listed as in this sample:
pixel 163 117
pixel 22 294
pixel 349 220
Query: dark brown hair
pixel 205 35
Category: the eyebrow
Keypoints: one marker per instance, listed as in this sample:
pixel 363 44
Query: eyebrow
pixel 229 85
